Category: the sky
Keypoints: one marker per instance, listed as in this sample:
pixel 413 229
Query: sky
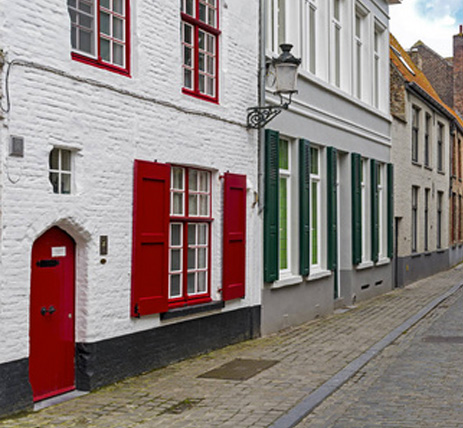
pixel 434 22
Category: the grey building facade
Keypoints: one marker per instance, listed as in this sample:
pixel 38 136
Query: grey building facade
pixel 326 161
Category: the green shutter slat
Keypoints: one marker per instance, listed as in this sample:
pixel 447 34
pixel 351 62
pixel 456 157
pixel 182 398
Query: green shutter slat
pixel 356 209
pixel 390 210
pixel 271 218
pixel 304 207
pixel 332 207
pixel 374 211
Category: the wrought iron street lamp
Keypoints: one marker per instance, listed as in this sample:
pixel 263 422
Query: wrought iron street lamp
pixel 285 66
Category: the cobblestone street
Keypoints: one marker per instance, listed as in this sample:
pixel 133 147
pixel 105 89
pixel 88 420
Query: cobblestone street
pixel 411 383
pixel 416 382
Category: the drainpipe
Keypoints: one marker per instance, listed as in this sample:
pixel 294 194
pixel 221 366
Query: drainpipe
pixel 261 102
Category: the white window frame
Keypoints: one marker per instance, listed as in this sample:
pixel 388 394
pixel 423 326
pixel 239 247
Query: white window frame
pixel 364 206
pixel 59 172
pixel 178 272
pixel 274 19
pixel 336 45
pixel 286 174
pixel 315 179
pixel 378 68
pixel 310 38
pixel 382 213
pixel 359 51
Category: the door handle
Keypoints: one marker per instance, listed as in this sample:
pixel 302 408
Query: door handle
pixel 50 310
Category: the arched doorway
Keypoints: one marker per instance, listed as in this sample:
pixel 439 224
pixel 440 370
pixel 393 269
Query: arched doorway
pixel 52 342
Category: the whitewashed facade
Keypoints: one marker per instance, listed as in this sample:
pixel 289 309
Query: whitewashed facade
pixel 120 92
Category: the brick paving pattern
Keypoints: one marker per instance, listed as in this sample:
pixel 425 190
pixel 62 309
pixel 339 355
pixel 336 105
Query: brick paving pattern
pixel 415 383
pixel 308 356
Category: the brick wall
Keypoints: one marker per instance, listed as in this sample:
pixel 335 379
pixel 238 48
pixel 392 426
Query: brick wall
pixel 458 72
pixel 438 70
pixel 108 120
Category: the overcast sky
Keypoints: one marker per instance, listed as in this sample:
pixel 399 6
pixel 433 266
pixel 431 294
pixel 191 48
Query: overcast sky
pixel 432 21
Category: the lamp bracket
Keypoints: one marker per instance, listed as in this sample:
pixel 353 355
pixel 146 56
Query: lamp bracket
pixel 258 117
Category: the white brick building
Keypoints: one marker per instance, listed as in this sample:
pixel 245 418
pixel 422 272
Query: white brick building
pixel 85 112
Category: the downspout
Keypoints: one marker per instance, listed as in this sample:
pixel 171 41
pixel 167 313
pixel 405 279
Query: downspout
pixel 261 102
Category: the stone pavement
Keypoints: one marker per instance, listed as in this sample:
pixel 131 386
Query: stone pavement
pixel 415 383
pixel 307 357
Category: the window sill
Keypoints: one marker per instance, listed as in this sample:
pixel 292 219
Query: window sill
pixel 428 167
pixel 191 310
pixel 441 172
pixel 383 261
pixel 367 264
pixel 416 163
pixel 287 281
pixel 319 274
pixel 92 61
pixel 440 251
pixel 200 96
pixel 415 255
pixel 427 253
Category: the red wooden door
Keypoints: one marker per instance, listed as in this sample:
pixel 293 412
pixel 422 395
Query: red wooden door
pixel 51 360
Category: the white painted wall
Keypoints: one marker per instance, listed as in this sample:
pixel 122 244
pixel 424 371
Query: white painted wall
pixel 109 120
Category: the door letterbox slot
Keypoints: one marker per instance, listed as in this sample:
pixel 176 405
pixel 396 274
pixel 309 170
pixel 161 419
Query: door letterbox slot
pixel 47 263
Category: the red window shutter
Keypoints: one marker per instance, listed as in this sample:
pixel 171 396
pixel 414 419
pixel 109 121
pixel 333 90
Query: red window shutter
pixel 234 237
pixel 150 238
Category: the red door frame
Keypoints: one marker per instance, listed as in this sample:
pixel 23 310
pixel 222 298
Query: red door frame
pixel 52 314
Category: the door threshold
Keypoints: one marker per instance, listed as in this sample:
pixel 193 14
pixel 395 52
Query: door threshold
pixel 57 399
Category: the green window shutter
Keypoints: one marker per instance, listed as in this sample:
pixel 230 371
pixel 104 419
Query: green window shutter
pixel 374 211
pixel 304 206
pixel 356 209
pixel 271 189
pixel 390 210
pixel 331 179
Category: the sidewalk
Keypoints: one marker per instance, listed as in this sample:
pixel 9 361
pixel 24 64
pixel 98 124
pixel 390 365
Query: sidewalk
pixel 306 357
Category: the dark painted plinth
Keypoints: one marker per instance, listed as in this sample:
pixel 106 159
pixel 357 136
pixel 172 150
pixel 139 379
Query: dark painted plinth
pixel 15 389
pixel 418 266
pixel 105 362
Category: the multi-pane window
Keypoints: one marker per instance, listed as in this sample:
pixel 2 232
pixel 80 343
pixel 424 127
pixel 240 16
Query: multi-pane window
pixel 427 138
pixel 381 208
pixel 285 204
pixel 363 195
pixel 426 219
pixel 200 33
pixel 60 170
pixel 276 25
pixel 100 32
pixel 440 197
pixel 358 53
pixel 440 147
pixel 336 28
pixel 315 206
pixel 377 78
pixel 415 132
pixel 414 219
pixel 189 238
pixel 310 35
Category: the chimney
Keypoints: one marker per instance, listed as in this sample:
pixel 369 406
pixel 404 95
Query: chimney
pixel 458 71
pixel 416 57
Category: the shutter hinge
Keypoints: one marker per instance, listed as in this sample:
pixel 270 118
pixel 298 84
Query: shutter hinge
pixel 136 311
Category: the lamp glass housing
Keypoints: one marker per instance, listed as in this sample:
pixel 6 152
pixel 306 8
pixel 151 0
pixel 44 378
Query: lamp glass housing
pixel 286 78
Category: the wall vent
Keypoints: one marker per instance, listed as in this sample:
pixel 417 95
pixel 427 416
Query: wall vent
pixel 17 146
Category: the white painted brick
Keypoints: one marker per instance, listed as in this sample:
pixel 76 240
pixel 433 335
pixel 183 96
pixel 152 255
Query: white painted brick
pixel 108 130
